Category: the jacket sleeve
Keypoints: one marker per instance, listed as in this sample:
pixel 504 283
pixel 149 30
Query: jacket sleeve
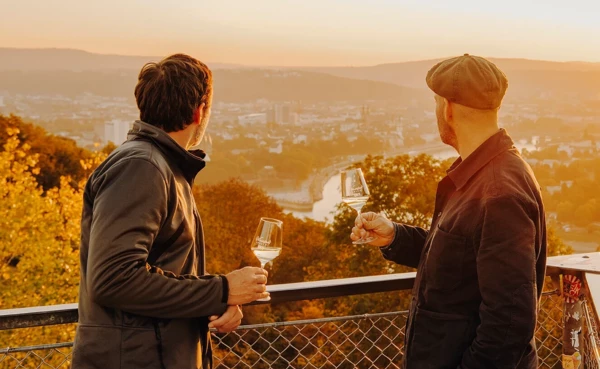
pixel 407 246
pixel 506 261
pixel 129 209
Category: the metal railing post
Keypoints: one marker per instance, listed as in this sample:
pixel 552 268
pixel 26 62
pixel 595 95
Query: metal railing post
pixel 572 292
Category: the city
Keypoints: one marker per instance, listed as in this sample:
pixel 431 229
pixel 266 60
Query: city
pixel 467 252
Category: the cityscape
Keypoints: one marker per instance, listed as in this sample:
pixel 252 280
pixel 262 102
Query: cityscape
pixel 354 206
pixel 264 141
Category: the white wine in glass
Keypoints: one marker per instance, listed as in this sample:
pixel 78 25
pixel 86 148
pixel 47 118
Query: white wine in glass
pixel 355 193
pixel 267 241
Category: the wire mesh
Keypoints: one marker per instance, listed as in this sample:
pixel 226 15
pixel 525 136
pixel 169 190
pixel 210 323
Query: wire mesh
pixel 548 334
pixel 52 356
pixel 364 341
pixel 591 354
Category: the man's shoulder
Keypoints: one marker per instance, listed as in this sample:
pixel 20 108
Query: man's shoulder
pixel 511 176
pixel 134 153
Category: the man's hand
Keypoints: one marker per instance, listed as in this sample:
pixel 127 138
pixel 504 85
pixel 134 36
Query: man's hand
pixel 376 225
pixel 246 285
pixel 229 321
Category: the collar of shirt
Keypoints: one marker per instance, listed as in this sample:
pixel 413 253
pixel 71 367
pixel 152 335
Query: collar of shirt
pixel 191 162
pixel 462 170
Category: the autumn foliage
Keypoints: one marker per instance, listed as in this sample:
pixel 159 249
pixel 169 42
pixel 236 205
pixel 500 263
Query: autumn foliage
pixel 40 215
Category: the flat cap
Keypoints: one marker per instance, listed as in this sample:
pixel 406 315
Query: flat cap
pixel 469 80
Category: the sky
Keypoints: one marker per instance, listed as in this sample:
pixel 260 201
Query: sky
pixel 309 32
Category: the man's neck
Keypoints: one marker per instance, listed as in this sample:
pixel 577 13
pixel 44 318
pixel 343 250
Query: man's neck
pixel 181 137
pixel 469 140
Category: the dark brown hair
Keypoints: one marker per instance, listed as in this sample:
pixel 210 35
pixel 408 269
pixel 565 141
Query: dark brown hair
pixel 168 92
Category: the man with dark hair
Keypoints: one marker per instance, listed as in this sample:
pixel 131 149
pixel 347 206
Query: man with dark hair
pixel 145 299
pixel 481 265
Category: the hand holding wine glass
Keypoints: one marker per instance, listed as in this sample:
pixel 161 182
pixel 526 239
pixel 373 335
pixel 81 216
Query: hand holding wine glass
pixel 266 244
pixel 355 193
pixel 375 225
pixel 246 285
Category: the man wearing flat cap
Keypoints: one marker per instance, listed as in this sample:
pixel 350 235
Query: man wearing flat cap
pixel 481 264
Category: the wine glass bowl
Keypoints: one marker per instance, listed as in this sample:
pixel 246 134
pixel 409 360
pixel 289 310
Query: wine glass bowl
pixel 355 193
pixel 267 242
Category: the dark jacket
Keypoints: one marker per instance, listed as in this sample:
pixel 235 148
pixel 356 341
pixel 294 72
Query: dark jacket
pixel 481 266
pixel 135 201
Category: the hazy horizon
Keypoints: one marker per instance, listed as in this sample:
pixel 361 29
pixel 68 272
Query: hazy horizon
pixel 324 33
pixel 50 48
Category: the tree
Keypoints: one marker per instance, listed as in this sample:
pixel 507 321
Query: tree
pixel 230 212
pixel 404 187
pixel 39 239
pixel 555 245
pixel 56 156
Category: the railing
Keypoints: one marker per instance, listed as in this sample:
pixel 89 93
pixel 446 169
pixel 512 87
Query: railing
pixel 364 341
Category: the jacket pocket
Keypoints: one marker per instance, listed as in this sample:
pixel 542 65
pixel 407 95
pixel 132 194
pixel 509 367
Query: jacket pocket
pixel 139 349
pixel 96 347
pixel 444 263
pixel 439 340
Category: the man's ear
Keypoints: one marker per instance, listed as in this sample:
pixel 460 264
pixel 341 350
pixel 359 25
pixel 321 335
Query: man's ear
pixel 198 114
pixel 448 112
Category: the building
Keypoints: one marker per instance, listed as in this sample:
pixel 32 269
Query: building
pixel 253 119
pixel 300 139
pixel 283 114
pixel 116 131
pixel 349 126
pixel 278 149
pixel 271 116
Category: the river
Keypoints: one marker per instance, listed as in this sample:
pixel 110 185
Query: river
pixel 323 209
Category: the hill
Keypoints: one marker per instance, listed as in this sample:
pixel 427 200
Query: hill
pixel 74 60
pixel 527 78
pixel 231 85
pixel 69 72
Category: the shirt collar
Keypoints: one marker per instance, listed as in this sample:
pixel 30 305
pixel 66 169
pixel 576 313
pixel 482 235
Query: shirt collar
pixel 461 171
pixel 190 162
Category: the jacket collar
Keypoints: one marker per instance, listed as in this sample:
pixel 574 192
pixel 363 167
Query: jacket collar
pixel 190 162
pixel 461 171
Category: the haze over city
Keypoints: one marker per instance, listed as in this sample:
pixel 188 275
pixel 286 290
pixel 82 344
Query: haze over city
pixel 303 93
pixel 309 33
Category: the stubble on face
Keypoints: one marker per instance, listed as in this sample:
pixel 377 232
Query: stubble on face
pixel 447 133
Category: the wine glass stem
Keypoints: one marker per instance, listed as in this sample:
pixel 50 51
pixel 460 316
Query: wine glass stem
pixel 358 210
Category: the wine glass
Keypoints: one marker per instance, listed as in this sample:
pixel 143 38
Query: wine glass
pixel 266 243
pixel 355 194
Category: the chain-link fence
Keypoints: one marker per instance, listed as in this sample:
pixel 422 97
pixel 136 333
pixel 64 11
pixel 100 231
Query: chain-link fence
pixel 549 331
pixel 364 341
pixel 591 339
pixel 44 357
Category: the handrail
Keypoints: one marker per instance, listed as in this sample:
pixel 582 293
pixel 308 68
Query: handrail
pixel 67 313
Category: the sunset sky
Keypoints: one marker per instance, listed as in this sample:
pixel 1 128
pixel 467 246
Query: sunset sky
pixel 309 32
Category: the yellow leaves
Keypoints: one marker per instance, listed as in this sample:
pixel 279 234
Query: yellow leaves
pixel 12 131
pixel 84 164
pixel 39 263
pixel 89 164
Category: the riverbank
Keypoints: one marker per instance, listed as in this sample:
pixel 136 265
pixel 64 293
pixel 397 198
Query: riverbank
pixel 310 199
pixel 311 191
